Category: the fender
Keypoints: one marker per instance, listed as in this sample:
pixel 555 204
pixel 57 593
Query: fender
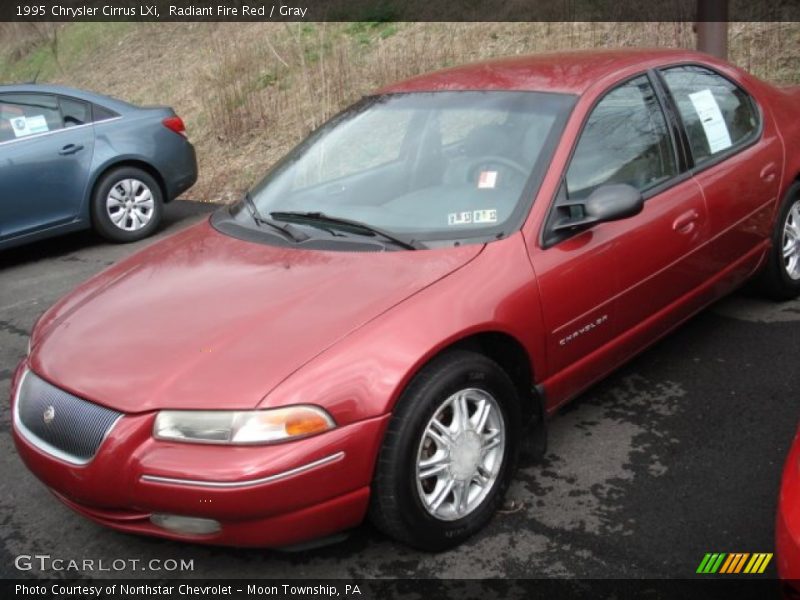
pixel 109 162
pixel 363 375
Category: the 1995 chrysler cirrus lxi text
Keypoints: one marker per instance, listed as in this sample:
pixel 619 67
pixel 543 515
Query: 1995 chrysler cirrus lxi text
pixel 374 328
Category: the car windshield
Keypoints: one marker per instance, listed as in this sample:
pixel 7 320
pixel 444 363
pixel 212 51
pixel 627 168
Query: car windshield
pixel 418 166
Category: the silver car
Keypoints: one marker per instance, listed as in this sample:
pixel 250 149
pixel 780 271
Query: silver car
pixel 72 160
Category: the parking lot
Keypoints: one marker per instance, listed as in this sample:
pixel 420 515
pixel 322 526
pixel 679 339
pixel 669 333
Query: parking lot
pixel 677 454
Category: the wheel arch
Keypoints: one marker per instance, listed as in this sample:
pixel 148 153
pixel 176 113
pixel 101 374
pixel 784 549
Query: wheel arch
pixel 390 494
pixel 121 163
pixel 511 355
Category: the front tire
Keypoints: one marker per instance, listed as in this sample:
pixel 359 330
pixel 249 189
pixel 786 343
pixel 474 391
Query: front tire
pixel 449 453
pixel 780 278
pixel 127 205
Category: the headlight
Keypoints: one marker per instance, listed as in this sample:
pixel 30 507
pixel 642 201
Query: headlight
pixel 241 427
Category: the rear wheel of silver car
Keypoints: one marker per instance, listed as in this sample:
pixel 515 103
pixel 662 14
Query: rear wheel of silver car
pixel 780 278
pixel 449 453
pixel 127 205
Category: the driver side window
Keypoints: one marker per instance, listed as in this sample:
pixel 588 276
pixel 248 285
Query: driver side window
pixel 625 140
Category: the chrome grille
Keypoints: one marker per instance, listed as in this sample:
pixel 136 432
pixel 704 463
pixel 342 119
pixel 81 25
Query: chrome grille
pixel 58 422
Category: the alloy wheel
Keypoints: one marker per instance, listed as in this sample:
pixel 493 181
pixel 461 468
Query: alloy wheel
pixel 791 241
pixel 460 454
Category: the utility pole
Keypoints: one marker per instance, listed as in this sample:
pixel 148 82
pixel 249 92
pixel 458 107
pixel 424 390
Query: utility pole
pixel 711 27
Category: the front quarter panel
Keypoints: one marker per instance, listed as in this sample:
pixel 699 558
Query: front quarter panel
pixel 363 375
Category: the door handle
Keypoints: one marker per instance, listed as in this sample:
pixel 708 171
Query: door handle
pixel 686 222
pixel 70 149
pixel 768 173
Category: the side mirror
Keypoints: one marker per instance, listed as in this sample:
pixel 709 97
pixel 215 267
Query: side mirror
pixel 613 202
pixel 607 203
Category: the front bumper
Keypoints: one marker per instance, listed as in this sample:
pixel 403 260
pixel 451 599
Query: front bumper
pixel 787 522
pixel 269 496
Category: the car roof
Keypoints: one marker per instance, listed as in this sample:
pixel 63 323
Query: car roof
pixel 570 72
pixel 62 90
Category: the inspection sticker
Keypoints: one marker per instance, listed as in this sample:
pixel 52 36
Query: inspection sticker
pixel 474 216
pixel 459 218
pixel 23 126
pixel 706 107
pixel 484 216
pixel 487 179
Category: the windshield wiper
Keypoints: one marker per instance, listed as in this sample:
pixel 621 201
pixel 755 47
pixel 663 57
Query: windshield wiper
pixel 260 220
pixel 320 218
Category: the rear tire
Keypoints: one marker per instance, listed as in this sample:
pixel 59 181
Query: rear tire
pixel 429 445
pixel 780 277
pixel 127 205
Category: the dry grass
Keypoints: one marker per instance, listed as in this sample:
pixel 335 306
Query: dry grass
pixel 18 39
pixel 249 91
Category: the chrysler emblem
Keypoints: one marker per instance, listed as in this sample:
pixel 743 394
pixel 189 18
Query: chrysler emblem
pixel 49 415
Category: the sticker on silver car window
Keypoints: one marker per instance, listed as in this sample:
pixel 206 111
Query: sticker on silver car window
pixel 23 126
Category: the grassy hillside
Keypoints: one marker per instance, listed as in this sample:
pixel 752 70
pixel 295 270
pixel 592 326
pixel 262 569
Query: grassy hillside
pixel 248 92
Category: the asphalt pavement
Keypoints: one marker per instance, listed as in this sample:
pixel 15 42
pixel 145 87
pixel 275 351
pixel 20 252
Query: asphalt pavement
pixel 677 454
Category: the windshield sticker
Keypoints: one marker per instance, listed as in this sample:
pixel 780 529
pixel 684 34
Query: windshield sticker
pixel 484 216
pixel 459 218
pixel 470 217
pixel 711 117
pixel 487 179
pixel 23 126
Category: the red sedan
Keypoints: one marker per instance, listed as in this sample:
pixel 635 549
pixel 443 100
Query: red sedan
pixel 377 324
pixel 787 524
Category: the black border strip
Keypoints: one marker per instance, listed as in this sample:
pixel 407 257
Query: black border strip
pixel 398 10
pixel 741 587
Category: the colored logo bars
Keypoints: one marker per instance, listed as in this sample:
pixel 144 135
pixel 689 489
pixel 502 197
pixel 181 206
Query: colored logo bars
pixel 737 562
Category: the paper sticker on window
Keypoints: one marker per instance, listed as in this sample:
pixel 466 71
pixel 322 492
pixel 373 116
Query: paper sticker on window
pixel 484 216
pixel 487 179
pixel 23 126
pixel 459 218
pixel 711 117
pixel 37 124
pixel 20 126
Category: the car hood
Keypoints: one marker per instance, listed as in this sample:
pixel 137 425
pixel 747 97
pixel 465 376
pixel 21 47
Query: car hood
pixel 203 320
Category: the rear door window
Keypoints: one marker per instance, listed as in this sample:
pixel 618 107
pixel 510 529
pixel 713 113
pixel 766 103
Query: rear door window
pixel 24 115
pixel 717 114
